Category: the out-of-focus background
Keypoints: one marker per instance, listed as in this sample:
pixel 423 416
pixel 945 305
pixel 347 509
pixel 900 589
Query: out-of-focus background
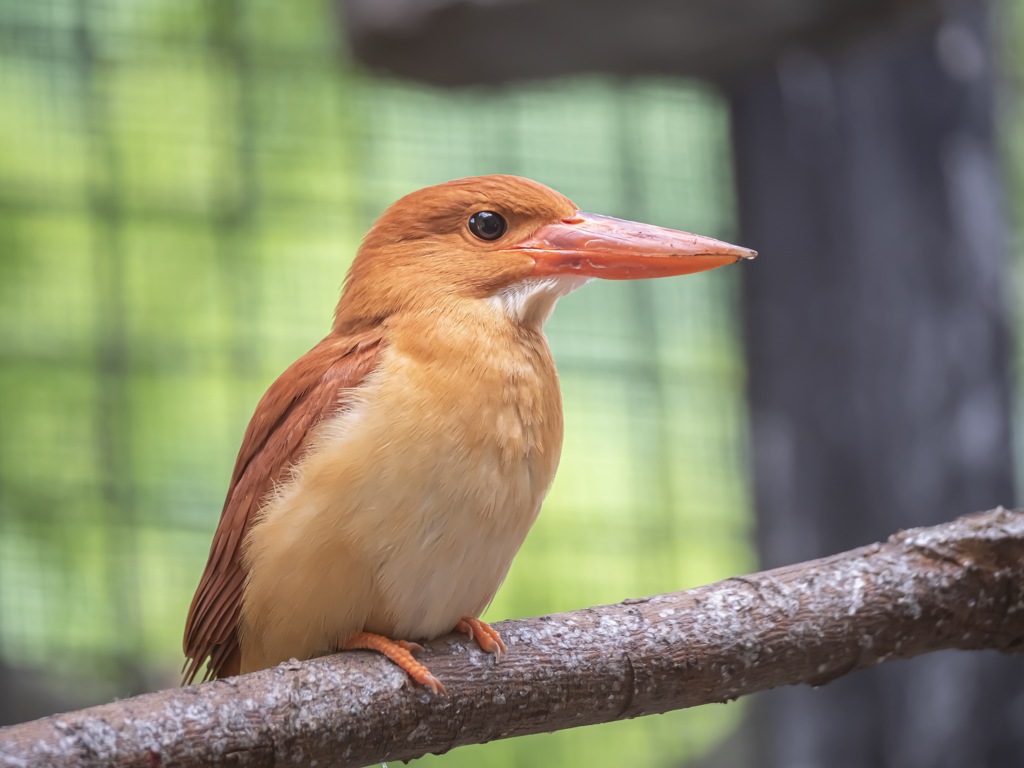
pixel 182 187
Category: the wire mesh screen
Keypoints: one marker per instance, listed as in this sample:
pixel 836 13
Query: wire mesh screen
pixel 182 186
pixel 1011 26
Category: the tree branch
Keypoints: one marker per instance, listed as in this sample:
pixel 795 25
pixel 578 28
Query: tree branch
pixel 958 585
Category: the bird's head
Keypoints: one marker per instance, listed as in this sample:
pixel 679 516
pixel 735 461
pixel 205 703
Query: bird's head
pixel 508 241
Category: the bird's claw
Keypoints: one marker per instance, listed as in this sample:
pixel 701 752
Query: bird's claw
pixel 436 686
pixel 400 652
pixel 485 636
pixel 409 645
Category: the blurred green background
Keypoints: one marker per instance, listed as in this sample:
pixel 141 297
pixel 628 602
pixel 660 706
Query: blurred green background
pixel 182 187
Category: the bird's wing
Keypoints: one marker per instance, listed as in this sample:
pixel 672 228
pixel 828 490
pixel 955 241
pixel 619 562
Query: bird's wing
pixel 311 390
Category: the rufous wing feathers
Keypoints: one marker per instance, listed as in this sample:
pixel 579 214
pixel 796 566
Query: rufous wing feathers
pixel 310 390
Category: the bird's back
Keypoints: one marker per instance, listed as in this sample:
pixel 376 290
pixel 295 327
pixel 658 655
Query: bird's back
pixel 277 437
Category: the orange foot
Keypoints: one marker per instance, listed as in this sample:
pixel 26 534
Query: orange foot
pixel 400 652
pixel 488 639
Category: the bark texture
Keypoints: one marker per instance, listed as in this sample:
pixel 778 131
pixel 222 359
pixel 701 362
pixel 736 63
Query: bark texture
pixel 957 585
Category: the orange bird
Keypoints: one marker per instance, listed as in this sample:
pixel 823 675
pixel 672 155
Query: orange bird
pixel 390 475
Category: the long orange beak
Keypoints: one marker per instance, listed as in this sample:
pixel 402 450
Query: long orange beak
pixel 590 245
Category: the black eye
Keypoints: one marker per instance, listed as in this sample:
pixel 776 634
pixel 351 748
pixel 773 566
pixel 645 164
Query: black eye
pixel 487 225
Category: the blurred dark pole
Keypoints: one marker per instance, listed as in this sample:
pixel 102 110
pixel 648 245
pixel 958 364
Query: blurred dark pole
pixel 879 358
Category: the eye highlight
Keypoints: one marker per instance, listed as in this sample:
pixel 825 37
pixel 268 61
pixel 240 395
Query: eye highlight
pixel 487 225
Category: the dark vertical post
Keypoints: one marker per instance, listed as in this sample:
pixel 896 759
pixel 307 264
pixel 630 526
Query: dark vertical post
pixel 879 361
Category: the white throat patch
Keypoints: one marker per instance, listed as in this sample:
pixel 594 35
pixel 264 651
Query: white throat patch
pixel 534 298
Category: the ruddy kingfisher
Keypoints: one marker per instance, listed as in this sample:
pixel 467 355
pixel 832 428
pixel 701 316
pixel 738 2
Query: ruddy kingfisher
pixel 389 476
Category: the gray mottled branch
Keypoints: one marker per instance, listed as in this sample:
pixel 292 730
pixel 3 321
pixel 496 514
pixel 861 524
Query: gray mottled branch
pixel 958 585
